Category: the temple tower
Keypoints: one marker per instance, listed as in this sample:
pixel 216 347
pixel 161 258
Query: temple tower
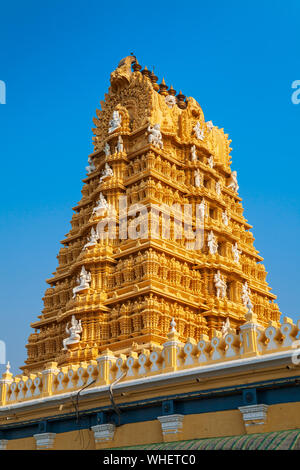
pixel 136 255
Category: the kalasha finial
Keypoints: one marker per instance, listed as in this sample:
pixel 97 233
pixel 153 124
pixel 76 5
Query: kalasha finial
pixel 173 325
pixel 154 79
pixel 180 100
pixel 136 66
pixel 146 72
pixel 172 91
pixel 249 306
pixel 163 88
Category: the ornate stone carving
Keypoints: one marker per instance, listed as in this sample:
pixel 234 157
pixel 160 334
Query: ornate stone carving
pixel 212 243
pixel 225 218
pixel 194 153
pixel 220 285
pixel 73 331
pixel 211 161
pixel 115 122
pixel 155 137
pixel 91 167
pixel 233 184
pixel 106 172
pixel 197 178
pixel 120 146
pixel 106 149
pixel 92 239
pixel 236 252
pixel 199 132
pixel 83 281
pixel 170 101
pixel 102 205
pixel 246 294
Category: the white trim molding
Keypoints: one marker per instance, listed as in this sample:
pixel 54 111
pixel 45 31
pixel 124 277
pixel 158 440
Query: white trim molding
pixel 254 414
pixel 171 424
pixel 45 440
pixel 103 432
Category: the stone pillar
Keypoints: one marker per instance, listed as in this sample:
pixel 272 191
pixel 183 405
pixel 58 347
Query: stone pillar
pixel 171 426
pixel 170 350
pixel 44 441
pixel 48 378
pixel 103 434
pixel 249 335
pixel 105 362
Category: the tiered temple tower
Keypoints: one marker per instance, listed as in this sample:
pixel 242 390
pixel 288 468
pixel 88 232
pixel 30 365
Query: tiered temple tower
pixel 123 271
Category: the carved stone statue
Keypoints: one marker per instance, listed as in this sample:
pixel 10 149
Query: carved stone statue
pixel 106 149
pixel 212 243
pixel 115 122
pixel 211 162
pixel 202 207
pixel 197 178
pixel 226 327
pixel 194 153
pixel 225 218
pixel 121 76
pixel 73 331
pixel 102 205
pixel 198 131
pixel 218 188
pixel 155 137
pixel 236 253
pixel 92 240
pixel 210 125
pixel 119 147
pixel 233 184
pixel 220 285
pixel 170 101
pixel 91 166
pixel 83 281
pixel 106 172
pixel 246 294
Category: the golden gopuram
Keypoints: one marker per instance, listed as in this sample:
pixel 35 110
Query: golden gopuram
pixel 159 329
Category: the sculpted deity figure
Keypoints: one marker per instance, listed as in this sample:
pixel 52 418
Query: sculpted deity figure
pixel 226 327
pixel 211 162
pixel 246 294
pixel 91 167
pixel 193 153
pixel 220 285
pixel 225 218
pixel 218 188
pixel 198 131
pixel 83 281
pixel 233 184
pixel 155 137
pixel 101 204
pixel 106 172
pixel 212 243
pixel 115 122
pixel 170 101
pixel 236 253
pixel 202 209
pixel 92 240
pixel 73 331
pixel 197 178
pixel 210 125
pixel 119 147
pixel 106 149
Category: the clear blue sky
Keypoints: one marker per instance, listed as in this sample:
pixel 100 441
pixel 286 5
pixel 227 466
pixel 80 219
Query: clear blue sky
pixel 237 59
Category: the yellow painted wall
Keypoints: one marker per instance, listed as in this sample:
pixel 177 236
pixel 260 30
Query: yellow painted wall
pixel 198 426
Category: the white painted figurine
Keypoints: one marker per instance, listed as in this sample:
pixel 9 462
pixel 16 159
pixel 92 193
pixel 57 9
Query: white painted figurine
pixel 212 243
pixel 92 240
pixel 155 137
pixel 106 149
pixel 236 253
pixel 226 327
pixel 119 147
pixel 91 166
pixel 101 204
pixel 83 281
pixel 210 125
pixel 197 175
pixel 246 294
pixel 193 153
pixel 233 184
pixel 220 285
pixel 115 122
pixel 225 218
pixel 211 162
pixel 73 331
pixel 218 188
pixel 106 172
pixel 170 101
pixel 198 131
